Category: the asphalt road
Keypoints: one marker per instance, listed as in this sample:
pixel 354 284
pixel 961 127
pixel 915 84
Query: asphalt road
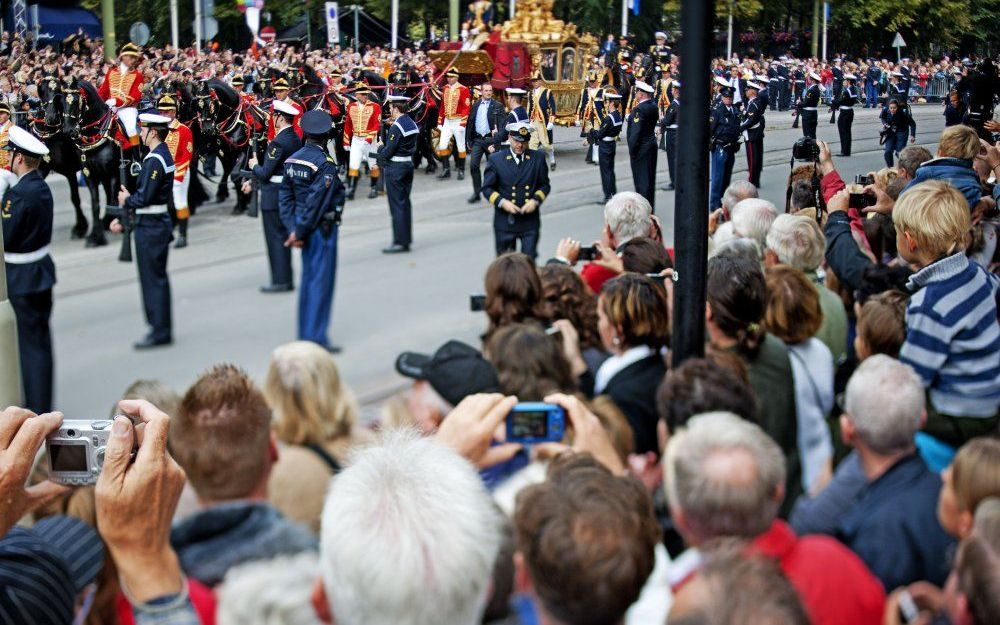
pixel 384 304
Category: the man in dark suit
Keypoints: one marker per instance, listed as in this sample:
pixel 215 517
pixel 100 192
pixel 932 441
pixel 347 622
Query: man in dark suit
pixel 642 141
pixel 807 106
pixel 26 210
pixel 752 128
pixel 605 138
pixel 484 127
pixel 668 128
pixel 396 161
pixel 269 175
pixel 516 183
pixel 725 130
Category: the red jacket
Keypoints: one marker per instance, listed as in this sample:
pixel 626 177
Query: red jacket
pixel 834 584
pixel 125 88
pixel 456 102
pixel 595 276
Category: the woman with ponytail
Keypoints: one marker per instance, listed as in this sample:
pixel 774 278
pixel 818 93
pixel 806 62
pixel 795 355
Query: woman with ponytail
pixel 734 319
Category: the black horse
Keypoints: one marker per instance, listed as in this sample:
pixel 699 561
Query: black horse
pixel 224 129
pixel 313 93
pixel 63 157
pixel 94 129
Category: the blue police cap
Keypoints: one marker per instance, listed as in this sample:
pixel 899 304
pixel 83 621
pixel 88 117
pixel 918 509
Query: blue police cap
pixel 316 123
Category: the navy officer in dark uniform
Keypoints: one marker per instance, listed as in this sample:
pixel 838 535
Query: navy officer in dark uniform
pixel 396 161
pixel 269 175
pixel 606 138
pixel 516 182
pixel 642 142
pixel 26 210
pixel 153 228
pixel 669 124
pixel 311 200
pixel 807 106
pixel 844 102
pixel 752 127
pixel 725 133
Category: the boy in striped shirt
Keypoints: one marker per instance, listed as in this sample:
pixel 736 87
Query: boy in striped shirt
pixel 952 335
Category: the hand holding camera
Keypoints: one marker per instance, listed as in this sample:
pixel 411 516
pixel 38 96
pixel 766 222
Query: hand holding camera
pixel 21 436
pixel 569 249
pixel 471 427
pixel 136 501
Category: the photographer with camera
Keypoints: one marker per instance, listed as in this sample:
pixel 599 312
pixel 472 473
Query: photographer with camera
pixel 897 124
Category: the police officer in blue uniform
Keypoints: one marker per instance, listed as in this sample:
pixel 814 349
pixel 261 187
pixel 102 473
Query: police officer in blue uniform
pixel 396 160
pixel 668 127
pixel 752 127
pixel 872 79
pixel 153 228
pixel 516 182
pixel 26 211
pixel 642 142
pixel 269 175
pixel 725 138
pixel 606 138
pixel 311 201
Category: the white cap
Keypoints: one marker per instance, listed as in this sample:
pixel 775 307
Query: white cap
pixel 762 77
pixel 850 77
pixel 814 76
pixel 722 81
pixel 660 35
pixel 612 96
pixel 753 85
pixel 284 107
pixel 896 74
pixel 396 98
pixel 515 91
pixel 641 86
pixel 518 131
pixel 152 119
pixel 24 141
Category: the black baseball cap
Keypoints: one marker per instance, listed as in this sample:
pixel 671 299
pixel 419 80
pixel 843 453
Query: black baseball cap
pixel 43 568
pixel 455 371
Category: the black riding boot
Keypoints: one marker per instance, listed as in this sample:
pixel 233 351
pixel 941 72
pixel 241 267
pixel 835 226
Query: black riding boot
pixel 352 185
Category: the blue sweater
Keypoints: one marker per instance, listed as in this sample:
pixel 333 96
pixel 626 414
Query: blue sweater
pixel 956 171
pixel 952 336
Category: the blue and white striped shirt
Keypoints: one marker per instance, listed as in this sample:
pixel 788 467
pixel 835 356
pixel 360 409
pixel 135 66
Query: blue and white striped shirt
pixel 952 336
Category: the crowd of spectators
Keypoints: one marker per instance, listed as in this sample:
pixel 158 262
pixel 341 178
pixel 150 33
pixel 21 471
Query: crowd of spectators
pixel 836 444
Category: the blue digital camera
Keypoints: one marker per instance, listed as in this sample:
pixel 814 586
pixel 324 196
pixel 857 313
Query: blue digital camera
pixel 536 422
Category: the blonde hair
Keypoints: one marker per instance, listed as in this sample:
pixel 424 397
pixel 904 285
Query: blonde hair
pixel 936 214
pixel 959 142
pixel 975 472
pixel 311 404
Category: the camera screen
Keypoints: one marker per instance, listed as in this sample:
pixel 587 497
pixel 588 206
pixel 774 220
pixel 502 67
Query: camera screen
pixel 533 424
pixel 68 457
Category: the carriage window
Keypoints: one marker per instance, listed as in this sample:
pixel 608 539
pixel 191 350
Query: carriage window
pixel 569 64
pixel 549 60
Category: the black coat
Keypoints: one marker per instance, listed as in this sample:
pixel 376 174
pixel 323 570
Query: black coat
pixel 503 180
pixel 753 120
pixel 642 128
pixel 633 390
pixel 494 117
pixel 284 144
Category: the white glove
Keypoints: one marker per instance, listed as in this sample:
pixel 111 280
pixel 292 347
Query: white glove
pixel 111 102
pixel 549 126
pixel 440 127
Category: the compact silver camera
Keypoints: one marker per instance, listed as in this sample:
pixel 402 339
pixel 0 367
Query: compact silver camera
pixel 76 451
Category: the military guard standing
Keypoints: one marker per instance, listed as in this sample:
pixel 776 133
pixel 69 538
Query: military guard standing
pixel 516 183
pixel 725 137
pixel 845 104
pixel 516 113
pixel 153 229
pixel 807 108
pixel 397 162
pixel 26 211
pixel 752 128
pixel 785 89
pixel 872 79
pixel 181 146
pixel 269 176
pixel 281 93
pixel 590 113
pixel 669 124
pixel 837 85
pixel 542 112
pixel 456 100
pixel 311 200
pixel 122 89
pixel 606 138
pixel 361 126
pixel 641 138
pixel 5 125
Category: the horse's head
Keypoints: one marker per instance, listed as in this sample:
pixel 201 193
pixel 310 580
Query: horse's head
pixel 73 109
pixel 204 108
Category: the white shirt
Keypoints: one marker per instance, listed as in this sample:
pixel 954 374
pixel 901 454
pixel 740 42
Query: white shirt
pixel 482 123
pixel 613 365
